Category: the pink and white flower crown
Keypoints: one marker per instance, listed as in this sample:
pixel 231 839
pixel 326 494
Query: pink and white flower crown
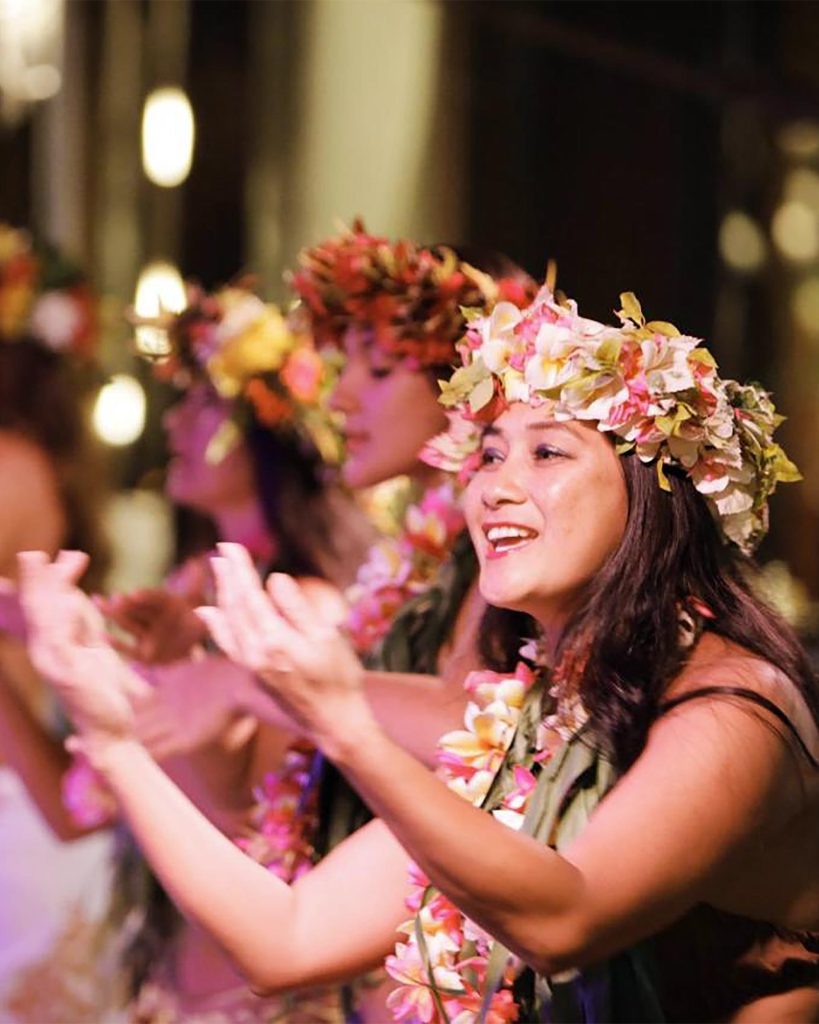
pixel 656 390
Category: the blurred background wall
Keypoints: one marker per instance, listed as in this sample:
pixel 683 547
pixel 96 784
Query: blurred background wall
pixel 672 149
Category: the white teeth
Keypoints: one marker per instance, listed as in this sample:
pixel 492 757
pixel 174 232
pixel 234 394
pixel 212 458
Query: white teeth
pixel 498 533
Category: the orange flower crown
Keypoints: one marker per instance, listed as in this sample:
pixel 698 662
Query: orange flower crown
pixel 410 296
pixel 251 355
pixel 44 297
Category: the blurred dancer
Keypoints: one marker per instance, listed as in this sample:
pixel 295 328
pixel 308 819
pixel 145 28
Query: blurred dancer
pixel 245 439
pixel 50 497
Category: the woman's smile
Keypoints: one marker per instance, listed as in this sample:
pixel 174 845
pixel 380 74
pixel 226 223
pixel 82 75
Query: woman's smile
pixel 504 538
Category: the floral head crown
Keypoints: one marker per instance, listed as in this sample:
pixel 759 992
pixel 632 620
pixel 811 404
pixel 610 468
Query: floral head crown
pixel 252 355
pixel 412 297
pixel 655 389
pixel 43 297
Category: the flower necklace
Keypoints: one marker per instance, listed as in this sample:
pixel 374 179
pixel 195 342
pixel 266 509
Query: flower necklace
pixel 399 568
pixel 285 815
pixel 443 965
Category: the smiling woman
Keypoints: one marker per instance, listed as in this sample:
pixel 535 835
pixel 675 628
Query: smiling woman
pixel 612 491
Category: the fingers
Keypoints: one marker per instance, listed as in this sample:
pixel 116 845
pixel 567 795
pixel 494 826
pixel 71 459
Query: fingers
pixel 248 614
pixel 290 602
pixel 237 583
pixel 219 629
pixel 90 623
pixel 240 732
pixel 135 613
pixel 42 594
pixel 126 648
pixel 135 688
pixel 71 565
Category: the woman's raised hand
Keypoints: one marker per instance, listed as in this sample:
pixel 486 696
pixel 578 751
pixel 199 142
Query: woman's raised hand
pixel 283 638
pixel 68 644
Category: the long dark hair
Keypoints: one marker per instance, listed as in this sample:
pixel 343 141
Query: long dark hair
pixel 45 398
pixel 290 482
pixel 624 645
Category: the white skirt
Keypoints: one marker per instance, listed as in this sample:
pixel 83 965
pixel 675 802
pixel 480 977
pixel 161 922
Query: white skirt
pixel 44 883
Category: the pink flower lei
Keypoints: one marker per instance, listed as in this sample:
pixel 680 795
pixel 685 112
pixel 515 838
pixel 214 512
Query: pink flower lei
pixel 399 568
pixel 442 965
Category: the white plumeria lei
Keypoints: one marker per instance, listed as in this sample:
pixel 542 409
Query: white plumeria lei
pixel 442 966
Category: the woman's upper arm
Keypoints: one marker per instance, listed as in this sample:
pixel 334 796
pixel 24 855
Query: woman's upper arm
pixel 713 783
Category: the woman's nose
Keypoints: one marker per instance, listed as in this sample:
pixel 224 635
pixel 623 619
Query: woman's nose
pixel 343 397
pixel 502 487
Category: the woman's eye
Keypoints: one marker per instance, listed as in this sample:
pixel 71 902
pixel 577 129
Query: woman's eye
pixel 546 451
pixel 380 372
pixel 490 456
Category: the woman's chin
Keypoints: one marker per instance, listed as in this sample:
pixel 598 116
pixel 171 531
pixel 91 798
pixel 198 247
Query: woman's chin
pixel 359 474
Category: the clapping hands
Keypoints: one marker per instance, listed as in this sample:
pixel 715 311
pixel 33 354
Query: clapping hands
pixel 279 635
pixel 68 644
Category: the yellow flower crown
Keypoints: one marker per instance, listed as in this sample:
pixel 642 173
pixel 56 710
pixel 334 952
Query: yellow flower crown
pixel 252 355
pixel 655 389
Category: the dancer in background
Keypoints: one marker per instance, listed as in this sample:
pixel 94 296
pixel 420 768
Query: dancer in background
pixel 246 440
pixel 645 840
pixel 51 496
pixel 386 391
pixel 394 312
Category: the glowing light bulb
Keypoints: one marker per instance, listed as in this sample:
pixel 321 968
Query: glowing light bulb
pixel 741 242
pixel 119 412
pixel 168 132
pixel 795 230
pixel 160 289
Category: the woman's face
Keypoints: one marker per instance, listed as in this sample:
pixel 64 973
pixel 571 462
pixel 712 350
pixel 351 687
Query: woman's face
pixel 390 412
pixel 193 481
pixel 546 508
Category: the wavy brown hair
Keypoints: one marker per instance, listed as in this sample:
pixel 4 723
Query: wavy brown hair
pixel 625 638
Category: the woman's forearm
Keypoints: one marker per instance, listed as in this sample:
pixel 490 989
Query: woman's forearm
pixel 241 904
pixel 327 927
pixel 415 710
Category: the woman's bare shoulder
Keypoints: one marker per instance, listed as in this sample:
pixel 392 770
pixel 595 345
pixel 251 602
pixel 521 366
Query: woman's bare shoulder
pixel 20 452
pixel 721 670
pixel 31 512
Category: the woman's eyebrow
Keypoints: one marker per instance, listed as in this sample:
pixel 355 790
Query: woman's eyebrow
pixel 549 425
